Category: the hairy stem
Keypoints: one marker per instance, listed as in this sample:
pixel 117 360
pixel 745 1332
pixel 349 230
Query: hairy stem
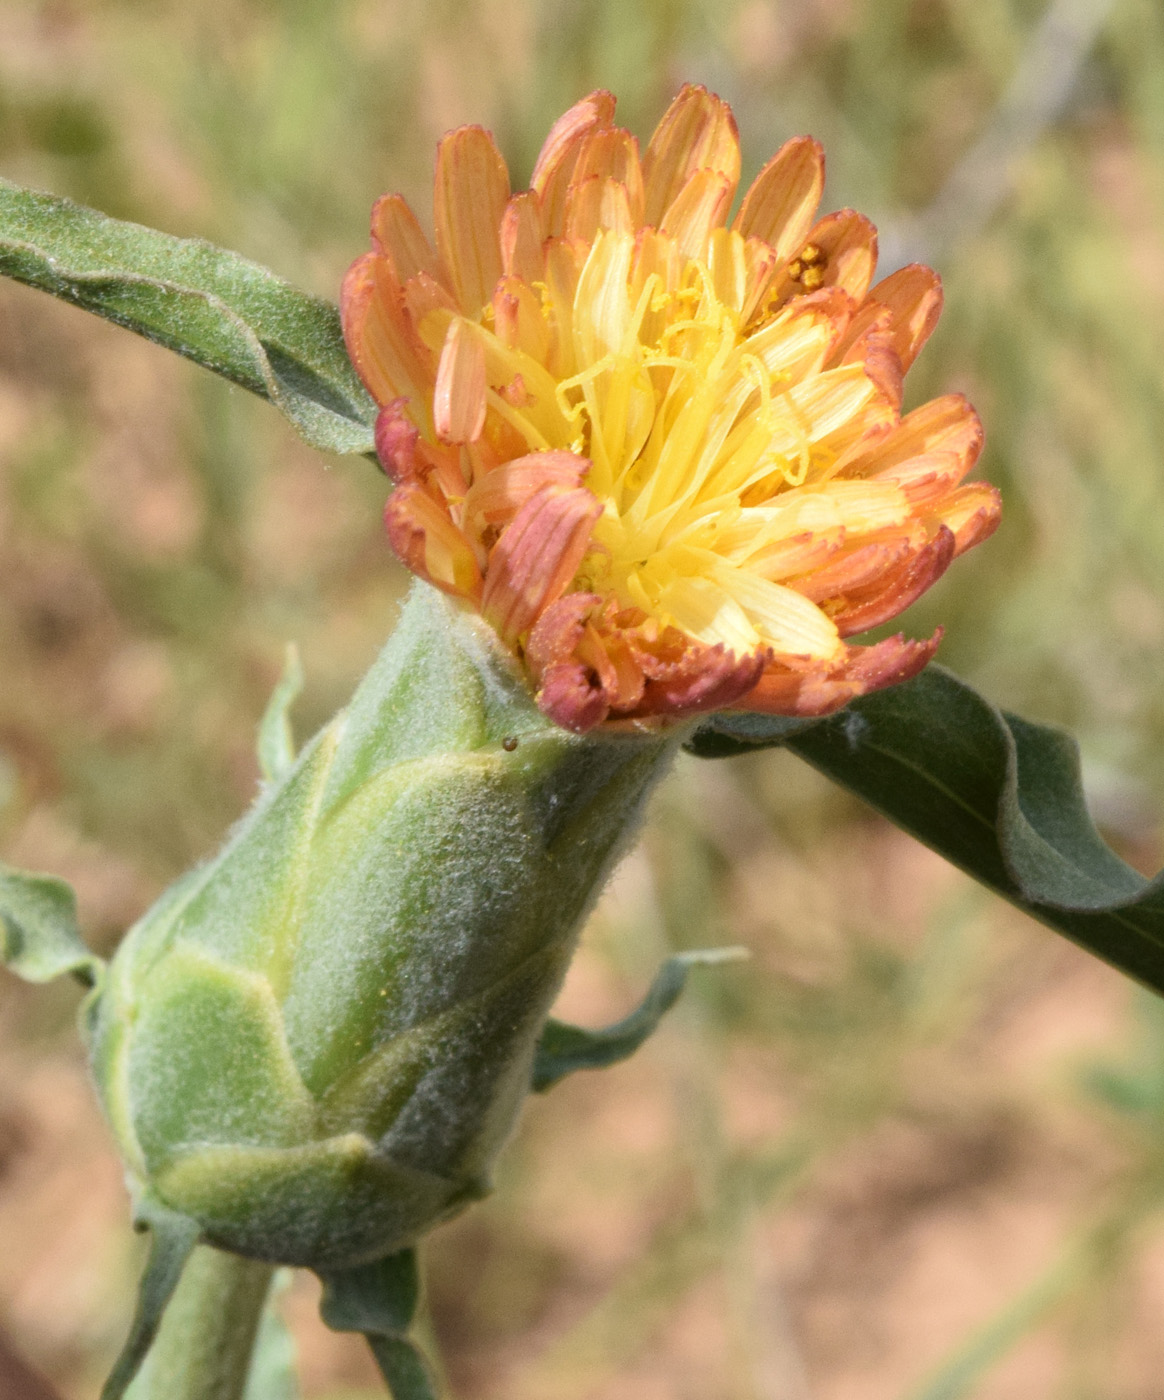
pixel 203 1350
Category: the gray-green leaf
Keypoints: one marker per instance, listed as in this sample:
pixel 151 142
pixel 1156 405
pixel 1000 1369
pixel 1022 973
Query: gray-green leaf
pixel 276 740
pixel 380 1301
pixel 998 796
pixel 39 939
pixel 563 1049
pixel 173 1239
pixel 211 305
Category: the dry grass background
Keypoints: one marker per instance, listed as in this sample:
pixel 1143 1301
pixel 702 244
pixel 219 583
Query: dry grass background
pixel 915 1149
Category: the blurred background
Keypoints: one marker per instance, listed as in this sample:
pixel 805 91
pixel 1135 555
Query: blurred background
pixel 914 1150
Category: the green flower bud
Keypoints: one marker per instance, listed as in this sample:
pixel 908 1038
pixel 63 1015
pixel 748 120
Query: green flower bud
pixel 315 1045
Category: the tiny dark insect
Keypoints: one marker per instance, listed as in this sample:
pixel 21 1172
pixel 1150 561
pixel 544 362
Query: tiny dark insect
pixel 509 743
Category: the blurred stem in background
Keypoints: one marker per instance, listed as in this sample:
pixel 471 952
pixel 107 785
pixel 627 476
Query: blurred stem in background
pixel 981 182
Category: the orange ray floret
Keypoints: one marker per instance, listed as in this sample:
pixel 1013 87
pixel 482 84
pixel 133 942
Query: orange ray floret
pixel 663 454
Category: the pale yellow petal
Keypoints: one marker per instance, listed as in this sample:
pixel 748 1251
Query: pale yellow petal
pixel 602 305
pixel 728 263
pixel 704 609
pixel 699 207
pixel 855 508
pixel 783 618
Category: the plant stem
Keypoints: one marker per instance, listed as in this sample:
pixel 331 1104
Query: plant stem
pixel 204 1345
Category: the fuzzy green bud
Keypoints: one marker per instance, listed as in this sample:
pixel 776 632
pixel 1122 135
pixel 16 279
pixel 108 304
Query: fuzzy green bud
pixel 315 1045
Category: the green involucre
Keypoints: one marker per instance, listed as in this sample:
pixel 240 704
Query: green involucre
pixel 315 1046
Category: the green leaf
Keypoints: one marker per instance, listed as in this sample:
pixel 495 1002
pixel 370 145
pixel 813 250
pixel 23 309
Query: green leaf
pixel 211 305
pixel 174 1237
pixel 380 1301
pixel 276 740
pixel 564 1049
pixel 998 796
pixel 403 1367
pixel 38 929
pixel 728 734
pixel 380 1297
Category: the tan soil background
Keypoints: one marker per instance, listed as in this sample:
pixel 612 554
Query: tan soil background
pixel 915 1146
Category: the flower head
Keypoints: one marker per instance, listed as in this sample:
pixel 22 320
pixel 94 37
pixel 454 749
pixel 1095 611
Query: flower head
pixel 663 454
